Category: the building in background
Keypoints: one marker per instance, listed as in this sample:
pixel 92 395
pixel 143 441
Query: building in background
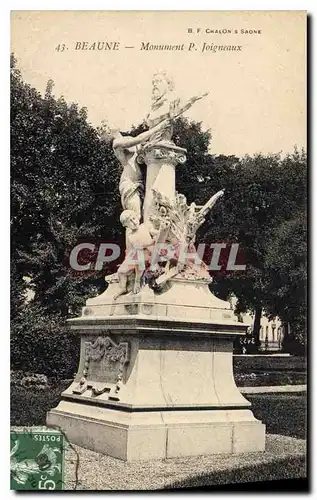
pixel 271 334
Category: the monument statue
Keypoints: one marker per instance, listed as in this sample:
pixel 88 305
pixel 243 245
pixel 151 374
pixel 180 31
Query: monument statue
pixel 176 223
pixel 155 377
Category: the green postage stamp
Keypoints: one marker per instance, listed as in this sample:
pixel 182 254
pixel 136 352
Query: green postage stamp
pixel 37 460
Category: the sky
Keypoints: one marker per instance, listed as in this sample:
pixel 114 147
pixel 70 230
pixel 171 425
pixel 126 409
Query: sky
pixel 257 95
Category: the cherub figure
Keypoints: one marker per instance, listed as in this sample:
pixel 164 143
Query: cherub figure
pixel 139 237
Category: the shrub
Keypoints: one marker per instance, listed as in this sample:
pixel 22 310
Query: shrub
pixel 29 406
pixel 42 343
pixel 269 378
pixel 29 380
pixel 265 363
pixel 38 381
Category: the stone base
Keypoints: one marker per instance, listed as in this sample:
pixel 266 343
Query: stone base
pixel 148 435
pixel 183 299
pixel 155 378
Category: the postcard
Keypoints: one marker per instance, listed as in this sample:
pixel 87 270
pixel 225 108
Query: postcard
pixel 158 250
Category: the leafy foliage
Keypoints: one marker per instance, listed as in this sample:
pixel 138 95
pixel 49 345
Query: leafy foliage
pixel 287 278
pixel 263 193
pixel 42 343
pixel 64 191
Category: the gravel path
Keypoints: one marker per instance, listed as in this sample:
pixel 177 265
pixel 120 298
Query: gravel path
pixel 284 458
pixel 100 472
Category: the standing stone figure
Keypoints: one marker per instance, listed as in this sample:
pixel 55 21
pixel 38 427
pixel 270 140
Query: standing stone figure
pixel 131 183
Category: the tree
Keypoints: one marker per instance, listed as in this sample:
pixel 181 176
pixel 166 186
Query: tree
pixel 262 193
pixel 286 260
pixel 64 191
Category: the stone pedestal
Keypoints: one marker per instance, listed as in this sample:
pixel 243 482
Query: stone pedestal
pixel 155 378
pixel 161 161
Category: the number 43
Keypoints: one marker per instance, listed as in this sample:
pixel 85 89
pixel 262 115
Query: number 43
pixel 60 47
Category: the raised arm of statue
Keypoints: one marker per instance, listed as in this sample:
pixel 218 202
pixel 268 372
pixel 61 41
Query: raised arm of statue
pixel 126 142
pixel 177 110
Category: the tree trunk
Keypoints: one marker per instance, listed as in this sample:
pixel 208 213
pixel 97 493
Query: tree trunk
pixel 257 326
pixel 286 338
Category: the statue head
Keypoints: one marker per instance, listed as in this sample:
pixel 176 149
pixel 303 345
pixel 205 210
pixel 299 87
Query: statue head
pixel 129 219
pixel 161 84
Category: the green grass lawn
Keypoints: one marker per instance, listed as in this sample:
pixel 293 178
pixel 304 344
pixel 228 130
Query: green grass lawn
pixel 282 413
